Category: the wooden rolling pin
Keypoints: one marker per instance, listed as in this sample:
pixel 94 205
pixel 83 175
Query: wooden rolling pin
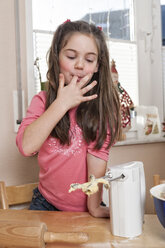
pixel 33 234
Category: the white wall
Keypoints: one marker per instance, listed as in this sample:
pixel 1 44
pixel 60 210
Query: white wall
pixel 14 168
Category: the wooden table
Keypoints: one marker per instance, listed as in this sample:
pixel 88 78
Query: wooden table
pixel 98 229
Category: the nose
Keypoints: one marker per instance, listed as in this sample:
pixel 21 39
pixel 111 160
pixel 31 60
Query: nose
pixel 79 64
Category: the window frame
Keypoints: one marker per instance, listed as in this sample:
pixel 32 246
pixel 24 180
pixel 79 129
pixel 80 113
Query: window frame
pixel 148 38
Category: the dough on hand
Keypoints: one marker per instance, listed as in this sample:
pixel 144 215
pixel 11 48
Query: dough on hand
pixel 90 187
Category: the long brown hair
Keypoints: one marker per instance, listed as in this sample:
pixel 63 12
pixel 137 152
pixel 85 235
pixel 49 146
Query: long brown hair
pixel 94 117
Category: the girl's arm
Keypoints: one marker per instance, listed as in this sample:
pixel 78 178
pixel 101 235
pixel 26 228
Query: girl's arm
pixel 37 132
pixel 96 167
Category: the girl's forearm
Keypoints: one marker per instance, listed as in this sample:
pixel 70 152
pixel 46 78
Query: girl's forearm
pixel 94 207
pixel 37 132
pixel 96 167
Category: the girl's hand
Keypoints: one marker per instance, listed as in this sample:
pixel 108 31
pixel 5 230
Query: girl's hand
pixel 72 95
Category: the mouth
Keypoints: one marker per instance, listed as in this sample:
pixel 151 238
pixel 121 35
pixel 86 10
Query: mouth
pixel 79 78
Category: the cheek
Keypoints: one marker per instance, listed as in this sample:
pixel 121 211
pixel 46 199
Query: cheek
pixel 92 73
pixel 91 69
pixel 64 67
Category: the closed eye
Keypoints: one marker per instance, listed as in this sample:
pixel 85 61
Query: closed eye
pixel 90 61
pixel 70 57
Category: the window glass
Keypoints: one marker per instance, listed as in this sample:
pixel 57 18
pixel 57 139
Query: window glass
pixel 163 20
pixel 113 16
pixel 116 19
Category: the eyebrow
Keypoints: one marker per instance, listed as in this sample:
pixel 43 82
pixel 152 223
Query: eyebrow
pixel 89 53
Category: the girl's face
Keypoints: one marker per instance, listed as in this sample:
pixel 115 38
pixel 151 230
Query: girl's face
pixel 78 57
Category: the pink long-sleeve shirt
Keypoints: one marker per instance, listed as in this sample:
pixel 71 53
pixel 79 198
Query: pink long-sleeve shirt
pixel 61 165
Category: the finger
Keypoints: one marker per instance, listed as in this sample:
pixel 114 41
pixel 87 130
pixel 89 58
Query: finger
pixel 61 80
pixel 89 98
pixel 88 87
pixel 85 80
pixel 74 80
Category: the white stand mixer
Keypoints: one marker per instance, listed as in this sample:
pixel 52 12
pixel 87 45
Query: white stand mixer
pixel 127 199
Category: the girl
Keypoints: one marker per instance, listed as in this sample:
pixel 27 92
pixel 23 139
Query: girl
pixel 74 123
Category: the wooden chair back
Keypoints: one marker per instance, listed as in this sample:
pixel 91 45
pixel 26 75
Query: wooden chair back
pixel 158 180
pixel 15 195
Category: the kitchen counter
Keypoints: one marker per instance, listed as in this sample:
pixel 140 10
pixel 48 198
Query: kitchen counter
pixel 136 141
pixel 98 229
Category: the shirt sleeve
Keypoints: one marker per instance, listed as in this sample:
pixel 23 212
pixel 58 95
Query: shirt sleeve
pixel 35 110
pixel 103 153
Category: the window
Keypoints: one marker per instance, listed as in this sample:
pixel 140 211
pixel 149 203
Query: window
pixel 149 53
pixel 41 43
pixel 136 48
pixel 116 19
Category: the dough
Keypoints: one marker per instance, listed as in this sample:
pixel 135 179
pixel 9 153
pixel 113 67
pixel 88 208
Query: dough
pixel 90 187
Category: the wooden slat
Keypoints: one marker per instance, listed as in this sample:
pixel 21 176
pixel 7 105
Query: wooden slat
pixel 158 180
pixel 15 195
pixel 20 194
pixel 3 196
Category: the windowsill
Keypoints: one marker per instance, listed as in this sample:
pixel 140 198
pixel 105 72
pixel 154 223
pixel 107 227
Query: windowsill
pixel 136 141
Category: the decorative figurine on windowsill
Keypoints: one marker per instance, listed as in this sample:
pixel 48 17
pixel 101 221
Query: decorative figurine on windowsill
pixel 43 84
pixel 125 101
